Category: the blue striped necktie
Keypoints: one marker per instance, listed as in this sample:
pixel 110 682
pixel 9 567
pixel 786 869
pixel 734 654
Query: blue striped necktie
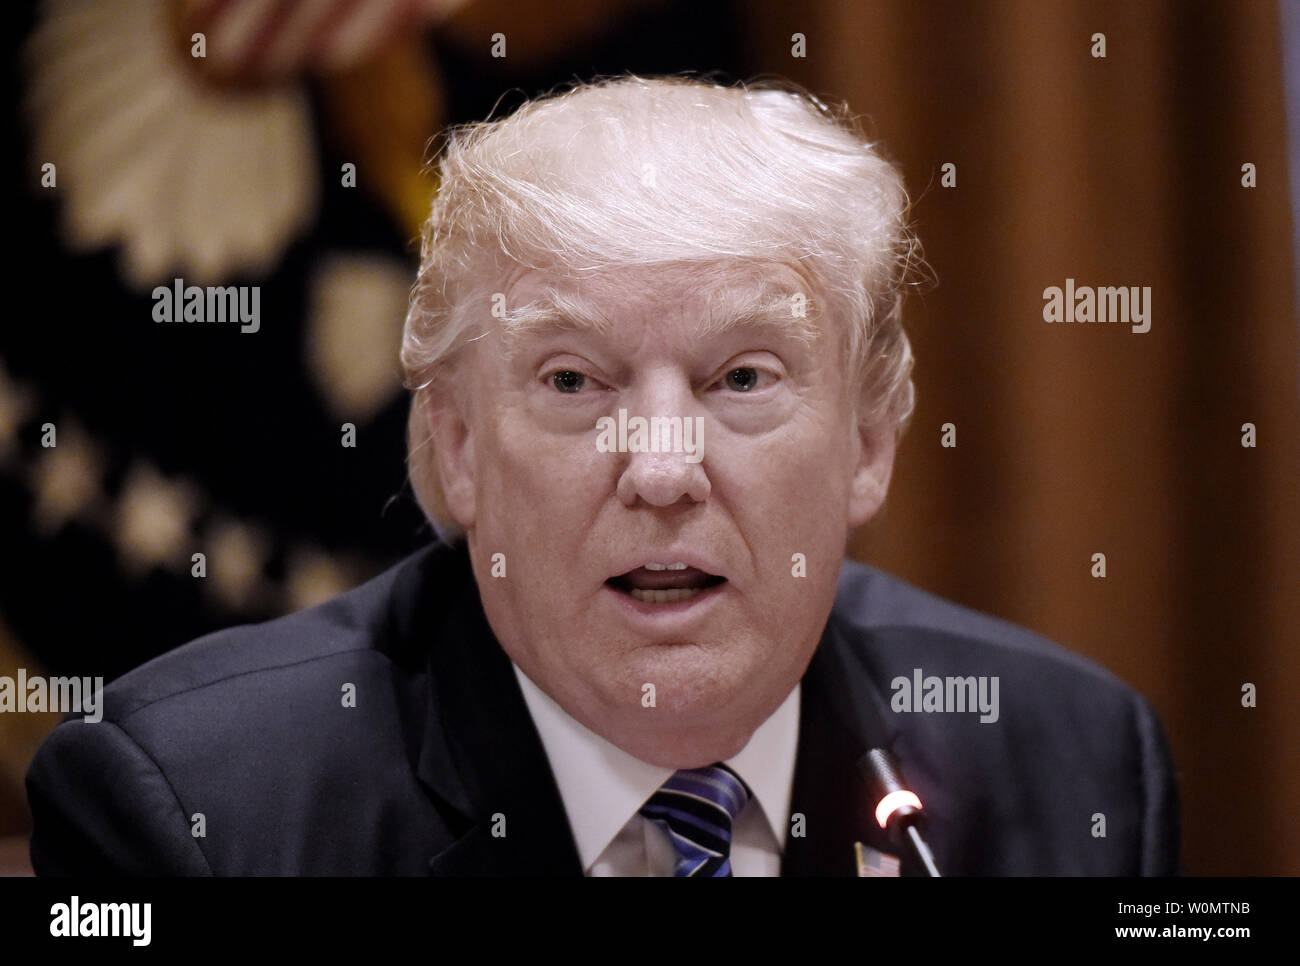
pixel 697 807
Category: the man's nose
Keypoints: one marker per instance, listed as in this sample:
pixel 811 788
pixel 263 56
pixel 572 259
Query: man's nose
pixel 670 467
pixel 662 479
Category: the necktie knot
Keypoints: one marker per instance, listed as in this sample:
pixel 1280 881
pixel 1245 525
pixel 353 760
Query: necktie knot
pixel 697 807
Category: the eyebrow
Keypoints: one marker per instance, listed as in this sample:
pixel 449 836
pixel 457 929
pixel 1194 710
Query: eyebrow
pixel 726 312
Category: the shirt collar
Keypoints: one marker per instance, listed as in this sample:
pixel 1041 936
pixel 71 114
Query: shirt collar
pixel 603 786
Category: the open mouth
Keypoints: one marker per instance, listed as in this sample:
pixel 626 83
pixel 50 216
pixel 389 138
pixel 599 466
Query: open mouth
pixel 670 585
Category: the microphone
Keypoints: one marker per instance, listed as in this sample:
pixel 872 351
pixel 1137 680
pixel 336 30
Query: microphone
pixel 898 810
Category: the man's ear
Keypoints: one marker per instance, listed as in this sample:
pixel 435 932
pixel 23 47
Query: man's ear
pixel 453 447
pixel 874 447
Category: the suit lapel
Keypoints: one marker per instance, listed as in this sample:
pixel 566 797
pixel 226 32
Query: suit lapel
pixel 839 721
pixel 481 754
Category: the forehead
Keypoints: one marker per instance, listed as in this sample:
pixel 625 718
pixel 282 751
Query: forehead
pixel 690 301
pixel 669 280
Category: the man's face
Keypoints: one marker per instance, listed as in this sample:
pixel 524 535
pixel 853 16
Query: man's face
pixel 593 605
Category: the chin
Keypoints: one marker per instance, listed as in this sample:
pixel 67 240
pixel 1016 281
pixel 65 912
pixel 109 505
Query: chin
pixel 695 689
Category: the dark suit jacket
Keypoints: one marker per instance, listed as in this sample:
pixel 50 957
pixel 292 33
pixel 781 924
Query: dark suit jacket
pixel 248 728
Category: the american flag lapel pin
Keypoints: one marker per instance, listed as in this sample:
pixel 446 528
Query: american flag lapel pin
pixel 874 864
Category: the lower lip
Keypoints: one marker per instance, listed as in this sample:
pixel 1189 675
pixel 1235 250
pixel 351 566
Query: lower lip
pixel 698 603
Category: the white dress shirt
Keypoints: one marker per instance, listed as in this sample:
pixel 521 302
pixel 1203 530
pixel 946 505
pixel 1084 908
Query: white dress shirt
pixel 603 787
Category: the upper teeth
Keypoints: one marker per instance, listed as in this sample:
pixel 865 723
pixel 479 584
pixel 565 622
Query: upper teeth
pixel 671 566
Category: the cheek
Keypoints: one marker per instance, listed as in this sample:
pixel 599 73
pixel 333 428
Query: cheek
pixel 787 482
pixel 791 509
pixel 538 482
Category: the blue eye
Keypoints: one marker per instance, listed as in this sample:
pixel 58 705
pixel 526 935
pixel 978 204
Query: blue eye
pixel 568 381
pixel 748 378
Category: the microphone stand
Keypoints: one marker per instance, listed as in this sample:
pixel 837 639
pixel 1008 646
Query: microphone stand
pixel 898 810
